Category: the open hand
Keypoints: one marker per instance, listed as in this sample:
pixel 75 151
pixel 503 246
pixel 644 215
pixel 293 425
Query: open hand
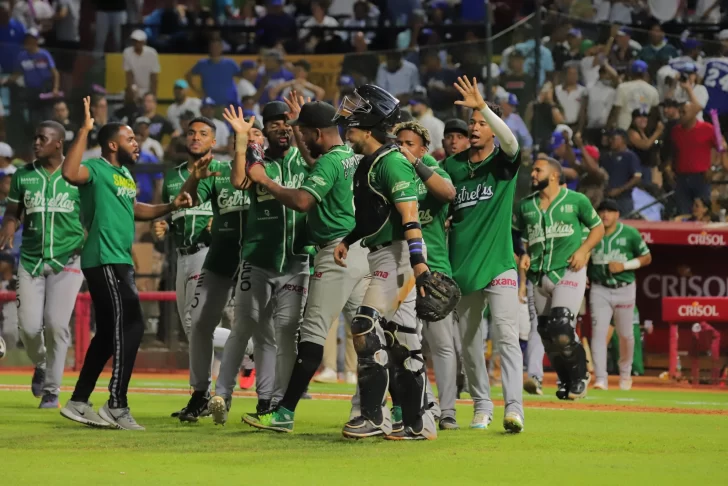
pixel 236 120
pixel 88 122
pixel 294 102
pixel 470 93
pixel 201 169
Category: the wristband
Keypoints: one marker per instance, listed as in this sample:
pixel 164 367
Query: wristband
pixel 423 171
pixel 416 252
pixel 632 264
pixel 411 226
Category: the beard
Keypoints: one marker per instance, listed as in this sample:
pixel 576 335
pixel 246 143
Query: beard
pixel 314 150
pixel 126 157
pixel 357 147
pixel 198 155
pixel 540 185
pixel 275 142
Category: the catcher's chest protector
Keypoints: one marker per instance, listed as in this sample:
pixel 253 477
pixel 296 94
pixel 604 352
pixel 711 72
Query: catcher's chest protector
pixel 371 208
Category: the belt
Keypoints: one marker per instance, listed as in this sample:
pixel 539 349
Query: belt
pixel 324 245
pixel 374 248
pixel 191 250
pixel 618 285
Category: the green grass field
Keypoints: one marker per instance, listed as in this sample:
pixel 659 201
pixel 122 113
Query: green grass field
pixel 561 444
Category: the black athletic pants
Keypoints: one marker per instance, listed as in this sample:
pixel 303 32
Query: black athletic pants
pixel 119 331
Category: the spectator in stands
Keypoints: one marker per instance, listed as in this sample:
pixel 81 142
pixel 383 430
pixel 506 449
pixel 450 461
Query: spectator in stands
pixel 544 115
pixel 407 39
pixel 700 212
pixel 131 109
pixel 36 14
pixel 6 160
pixel 346 86
pixel 141 64
pixel 217 75
pixel 562 150
pixel 456 137
pixel 592 178
pixel 397 75
pixel 422 112
pixel 159 126
pixel 246 17
pixel 691 52
pixel 61 115
pixel 181 104
pixel 272 74
pixel 631 95
pixel 694 142
pixel 439 80
pixel 399 12
pixel 645 144
pixel 361 64
pixel 248 75
pixel 671 117
pixel 600 98
pixel 300 83
pixel 223 141
pixel 319 19
pixel 624 170
pixel 67 39
pixel 516 81
pixel 148 182
pixel 362 19
pixel 110 16
pixel 687 89
pixel 509 107
pixel 592 61
pixel 658 51
pixel 277 27
pixel 176 151
pixel 568 51
pixel 147 143
pixel 528 49
pixel 12 33
pixel 623 50
pixel 572 98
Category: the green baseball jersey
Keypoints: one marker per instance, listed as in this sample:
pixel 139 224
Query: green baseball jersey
pixel 433 214
pixel 229 209
pixel 554 234
pixel 331 182
pixel 189 225
pixel 481 244
pixel 52 230
pixel 107 212
pixel 276 235
pixel 624 244
pixel 391 179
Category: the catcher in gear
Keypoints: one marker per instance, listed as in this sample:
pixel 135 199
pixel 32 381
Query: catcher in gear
pixel 385 329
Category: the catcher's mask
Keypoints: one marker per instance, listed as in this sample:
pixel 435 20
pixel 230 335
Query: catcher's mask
pixel 368 107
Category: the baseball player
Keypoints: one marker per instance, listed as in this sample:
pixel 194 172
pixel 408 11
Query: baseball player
pixel 108 209
pixel 49 276
pixel 481 254
pixel 551 218
pixel 613 291
pixel 456 137
pixel 209 181
pixel 327 196
pixel 274 271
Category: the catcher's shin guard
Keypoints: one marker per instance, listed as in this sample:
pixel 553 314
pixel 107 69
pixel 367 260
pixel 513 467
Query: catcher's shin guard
pixel 408 368
pixel 556 360
pixel 565 344
pixel 372 362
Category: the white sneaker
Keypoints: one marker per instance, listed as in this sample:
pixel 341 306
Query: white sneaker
pixel 119 418
pixel 83 413
pixel 327 376
pixel 601 385
pixel 350 378
pixel 480 421
pixel 625 384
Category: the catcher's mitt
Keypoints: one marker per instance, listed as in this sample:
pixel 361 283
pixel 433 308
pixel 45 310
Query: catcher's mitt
pixel 442 294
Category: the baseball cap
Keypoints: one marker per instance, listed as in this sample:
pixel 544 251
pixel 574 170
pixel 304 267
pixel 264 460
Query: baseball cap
pixel 417 99
pixel 256 123
pixel 142 120
pixel 586 44
pixel 723 35
pixel 687 68
pixel 557 140
pixel 690 44
pixel 619 131
pixel 274 110
pixel 248 64
pixel 317 114
pixel 5 150
pixel 640 112
pixel 208 102
pixel 346 80
pixel 564 128
pixel 138 35
pixel 512 99
pixel 404 116
pixel 638 66
pixel 623 31
pixel 181 84
pixel 608 205
pixel 456 125
pixel 592 150
pixel 32 32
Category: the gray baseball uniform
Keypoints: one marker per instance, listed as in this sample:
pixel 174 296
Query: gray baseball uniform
pixel 534 350
pixel 567 292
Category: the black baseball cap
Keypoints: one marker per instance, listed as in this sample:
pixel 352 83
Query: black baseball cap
pixel 404 116
pixel 608 205
pixel 456 125
pixel 274 110
pixel 256 123
pixel 317 114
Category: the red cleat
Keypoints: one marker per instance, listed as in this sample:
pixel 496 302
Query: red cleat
pixel 247 379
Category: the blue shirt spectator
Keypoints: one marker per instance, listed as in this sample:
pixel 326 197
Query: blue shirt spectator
pixel 559 149
pixel 36 65
pixel 12 33
pixel 271 74
pixel 148 183
pixel 399 12
pixel 277 26
pixel 515 122
pixel 217 74
pixel 623 166
pixel 528 49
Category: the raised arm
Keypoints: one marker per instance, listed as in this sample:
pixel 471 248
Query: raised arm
pixel 238 175
pixel 72 171
pixel 148 212
pixel 294 102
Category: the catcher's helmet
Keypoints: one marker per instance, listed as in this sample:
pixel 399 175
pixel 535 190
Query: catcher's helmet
pixel 368 106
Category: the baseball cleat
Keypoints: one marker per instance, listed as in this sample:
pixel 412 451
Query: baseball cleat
pixel 625 384
pixel 3 348
pixel 263 406
pixel 119 418
pixel 219 408
pixel 247 379
pixel 327 376
pixel 513 423
pixel 280 420
pixel 601 385
pixel 578 390
pixel 533 386
pixel 36 384
pixel 196 407
pixel 448 423
pixel 480 420
pixel 83 413
pixel 362 428
pixel 428 430
pixel 397 424
pixel 562 392
pixel 49 400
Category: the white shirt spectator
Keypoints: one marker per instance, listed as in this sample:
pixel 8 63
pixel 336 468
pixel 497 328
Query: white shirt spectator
pixel 589 71
pixel 603 9
pixel 620 13
pixel 570 101
pixel 153 147
pixel 246 88
pixel 700 92
pixel 42 13
pixel 142 66
pixel 311 23
pixel 601 100
pixel 662 10
pixel 176 109
pixel 222 136
pixel 702 7
pixel 436 127
pixel 632 95
pixel 404 80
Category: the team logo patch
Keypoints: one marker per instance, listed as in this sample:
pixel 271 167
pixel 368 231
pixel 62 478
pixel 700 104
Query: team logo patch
pixel 504 282
pixel 569 283
pixel 380 274
pixel 317 275
pixel 400 186
pixel 299 289
pixel 318 180
pixel 72 270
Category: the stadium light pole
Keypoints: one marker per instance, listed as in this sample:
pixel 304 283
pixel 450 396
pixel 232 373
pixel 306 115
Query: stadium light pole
pixel 488 53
